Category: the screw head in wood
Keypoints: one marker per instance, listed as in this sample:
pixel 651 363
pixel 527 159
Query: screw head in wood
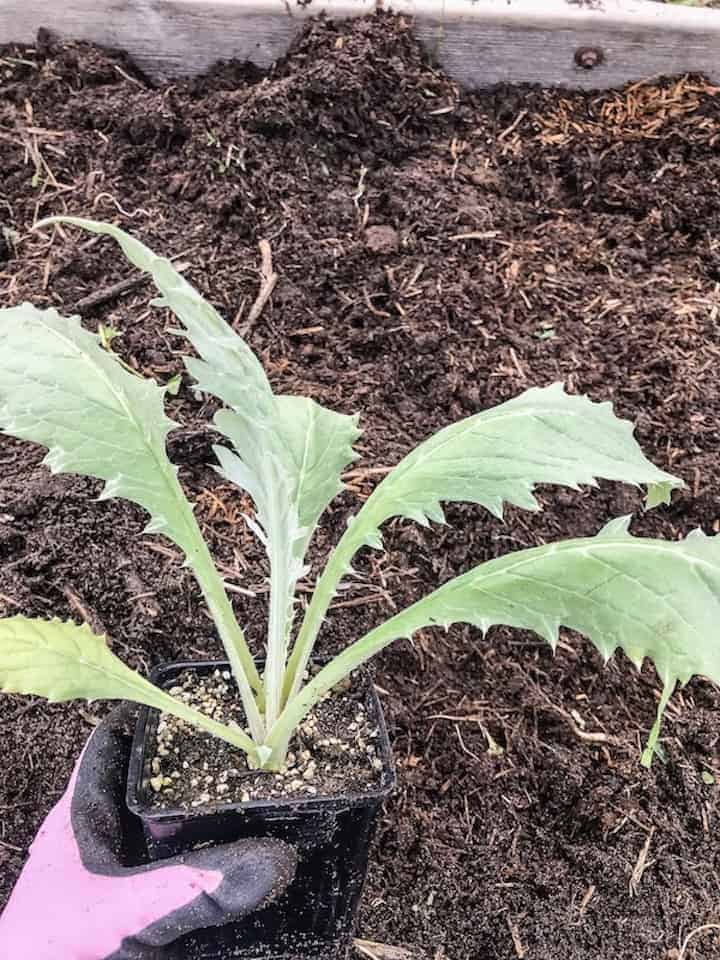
pixel 589 57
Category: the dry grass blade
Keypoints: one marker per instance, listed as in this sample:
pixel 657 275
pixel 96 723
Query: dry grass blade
pixel 694 933
pixel 641 864
pixel 381 951
pixel 639 112
pixel 520 952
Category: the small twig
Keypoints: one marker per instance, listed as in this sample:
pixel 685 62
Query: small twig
pixel 508 130
pixel 138 212
pixel 88 616
pixel 11 846
pixel 109 293
pixel 641 864
pixel 130 79
pixel 475 235
pixel 517 942
pixel 516 364
pixel 171 554
pixel 242 591
pixel 115 290
pixel 267 284
pixel 465 749
pixel 589 894
pixel 589 736
pixel 360 187
pixel 140 594
pixel 375 312
pixel 360 601
pixel 361 474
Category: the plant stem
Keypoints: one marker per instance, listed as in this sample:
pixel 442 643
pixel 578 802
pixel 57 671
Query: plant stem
pixel 277 627
pixel 340 667
pixel 233 639
pixel 336 567
pixel 235 737
pixel 199 559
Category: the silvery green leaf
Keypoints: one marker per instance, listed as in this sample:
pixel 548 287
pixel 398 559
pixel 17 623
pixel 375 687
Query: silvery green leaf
pixel 317 445
pixel 311 443
pixel 63 661
pixel 544 435
pixel 291 468
pixel 649 598
pixel 60 388
pixel 227 357
pixel 290 451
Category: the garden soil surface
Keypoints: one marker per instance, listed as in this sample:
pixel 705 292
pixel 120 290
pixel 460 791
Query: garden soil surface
pixel 437 252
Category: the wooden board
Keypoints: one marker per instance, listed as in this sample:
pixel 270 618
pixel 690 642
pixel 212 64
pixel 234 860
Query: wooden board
pixel 479 42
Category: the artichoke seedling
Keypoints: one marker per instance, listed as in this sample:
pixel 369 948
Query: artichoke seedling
pixel 60 387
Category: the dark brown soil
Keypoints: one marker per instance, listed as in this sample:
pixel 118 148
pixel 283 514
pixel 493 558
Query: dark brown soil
pixel 527 237
pixel 334 751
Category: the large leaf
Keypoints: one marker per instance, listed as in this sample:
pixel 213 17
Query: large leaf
pixel 60 388
pixel 290 451
pixel 544 435
pixel 305 453
pixel 227 355
pixel 498 456
pixel 311 443
pixel 650 598
pixel 292 471
pixel 63 661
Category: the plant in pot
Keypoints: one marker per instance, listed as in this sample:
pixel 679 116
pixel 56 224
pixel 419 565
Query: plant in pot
pixel 286 746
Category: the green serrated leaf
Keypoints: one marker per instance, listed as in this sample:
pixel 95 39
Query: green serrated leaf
pixel 542 436
pixel 63 661
pixel 228 362
pixel 318 446
pixel 650 598
pixel 59 387
pixel 290 451
pixel 310 443
pixel 291 468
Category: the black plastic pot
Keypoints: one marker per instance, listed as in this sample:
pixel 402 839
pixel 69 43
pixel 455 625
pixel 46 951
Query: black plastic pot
pixel 315 918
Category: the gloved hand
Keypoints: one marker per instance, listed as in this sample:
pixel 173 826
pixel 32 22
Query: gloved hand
pixel 76 898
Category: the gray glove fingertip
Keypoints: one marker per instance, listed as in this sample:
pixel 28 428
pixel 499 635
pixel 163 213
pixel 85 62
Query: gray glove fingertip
pixel 254 872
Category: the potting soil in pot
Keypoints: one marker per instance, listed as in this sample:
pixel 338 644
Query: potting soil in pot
pixel 335 751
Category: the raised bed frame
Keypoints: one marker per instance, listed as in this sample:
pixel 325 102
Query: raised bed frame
pixel 590 44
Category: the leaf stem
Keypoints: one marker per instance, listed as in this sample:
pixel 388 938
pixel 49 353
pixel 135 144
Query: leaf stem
pixel 200 561
pixel 337 566
pixel 233 639
pixel 233 736
pixel 277 623
pixel 340 667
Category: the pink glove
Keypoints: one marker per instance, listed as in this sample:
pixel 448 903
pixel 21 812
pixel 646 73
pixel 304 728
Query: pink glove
pixel 77 900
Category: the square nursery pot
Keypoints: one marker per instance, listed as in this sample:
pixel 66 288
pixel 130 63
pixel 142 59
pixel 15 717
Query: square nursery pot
pixel 315 918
